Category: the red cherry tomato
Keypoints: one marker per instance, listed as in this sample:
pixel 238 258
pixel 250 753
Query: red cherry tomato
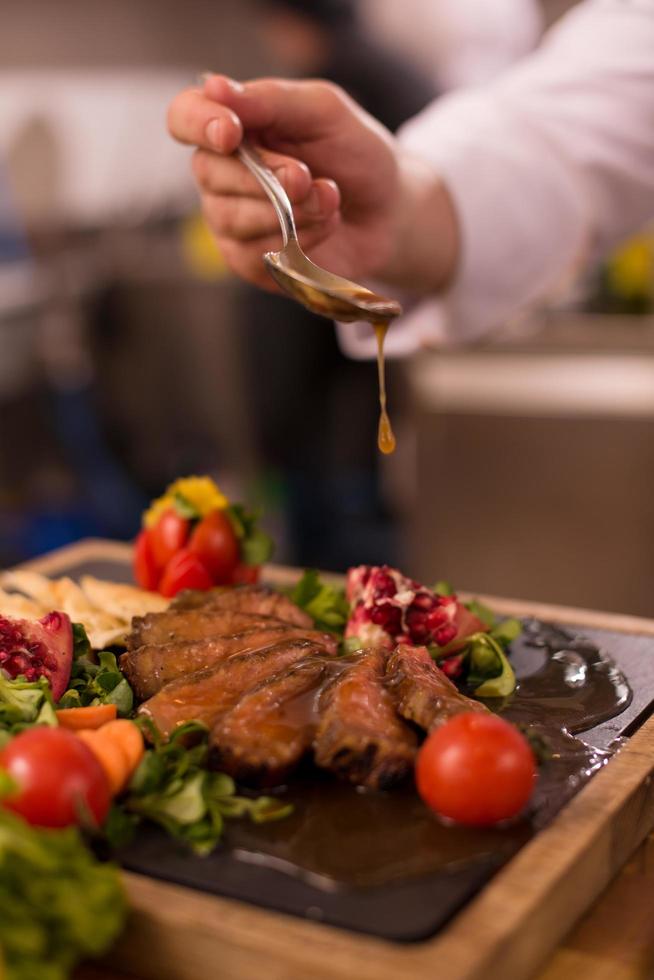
pixel 60 782
pixel 216 545
pixel 476 769
pixel 245 574
pixel 168 536
pixel 145 569
pixel 184 571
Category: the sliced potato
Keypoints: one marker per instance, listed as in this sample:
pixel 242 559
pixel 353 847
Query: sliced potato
pixel 105 609
pixel 101 638
pixel 121 600
pixel 19 606
pixel 31 584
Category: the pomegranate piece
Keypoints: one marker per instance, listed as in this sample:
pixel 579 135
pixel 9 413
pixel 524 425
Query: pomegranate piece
pixel 389 608
pixel 43 648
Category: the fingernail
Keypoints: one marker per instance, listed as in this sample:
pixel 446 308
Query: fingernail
pixel 214 133
pixel 312 204
pixel 234 85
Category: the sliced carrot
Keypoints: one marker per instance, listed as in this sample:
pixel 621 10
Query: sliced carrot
pixel 110 756
pixel 129 737
pixel 94 716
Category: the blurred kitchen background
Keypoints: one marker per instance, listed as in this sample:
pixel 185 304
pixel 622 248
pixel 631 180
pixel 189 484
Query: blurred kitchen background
pixel 129 356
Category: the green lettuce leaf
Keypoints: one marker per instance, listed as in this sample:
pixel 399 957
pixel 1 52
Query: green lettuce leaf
pixel 58 905
pixel 25 703
pixel 489 674
pixel 326 604
pixel 96 680
pixel 173 788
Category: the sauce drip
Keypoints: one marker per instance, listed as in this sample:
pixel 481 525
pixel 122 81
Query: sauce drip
pixel 385 436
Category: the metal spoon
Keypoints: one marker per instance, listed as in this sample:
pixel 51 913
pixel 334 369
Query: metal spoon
pixel 320 291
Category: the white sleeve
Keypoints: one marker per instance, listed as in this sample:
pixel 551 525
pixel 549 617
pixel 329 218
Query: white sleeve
pixel 548 167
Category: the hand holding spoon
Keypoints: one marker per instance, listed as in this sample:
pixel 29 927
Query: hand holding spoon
pixel 320 291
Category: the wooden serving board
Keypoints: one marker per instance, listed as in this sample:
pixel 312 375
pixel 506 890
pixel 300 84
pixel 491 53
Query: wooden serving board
pixel 506 932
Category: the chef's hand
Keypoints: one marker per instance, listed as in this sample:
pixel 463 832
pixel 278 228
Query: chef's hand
pixel 361 208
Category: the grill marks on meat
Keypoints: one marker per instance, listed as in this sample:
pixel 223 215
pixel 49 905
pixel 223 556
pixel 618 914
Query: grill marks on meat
pixel 360 736
pixel 150 667
pixel 263 738
pixel 206 695
pixel 421 691
pixel 256 599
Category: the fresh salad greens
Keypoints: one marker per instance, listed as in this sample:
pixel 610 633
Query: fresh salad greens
pixel 96 681
pixel 487 669
pixel 23 704
pixel 326 604
pixel 489 673
pixel 172 787
pixel 57 903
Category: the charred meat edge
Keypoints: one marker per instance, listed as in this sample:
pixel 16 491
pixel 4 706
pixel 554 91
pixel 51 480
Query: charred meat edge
pixel 360 736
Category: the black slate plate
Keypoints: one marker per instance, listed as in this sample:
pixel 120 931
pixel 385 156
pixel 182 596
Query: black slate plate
pixel 407 910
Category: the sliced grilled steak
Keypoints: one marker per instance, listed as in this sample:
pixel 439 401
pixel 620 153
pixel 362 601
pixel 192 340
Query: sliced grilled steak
pixel 360 736
pixel 263 738
pixel 206 694
pixel 421 691
pixel 176 625
pixel 256 599
pixel 150 667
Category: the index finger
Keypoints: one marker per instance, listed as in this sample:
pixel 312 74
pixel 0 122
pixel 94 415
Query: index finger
pixel 200 121
pixel 299 110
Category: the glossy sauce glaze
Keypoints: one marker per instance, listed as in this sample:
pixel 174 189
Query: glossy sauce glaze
pixel 339 836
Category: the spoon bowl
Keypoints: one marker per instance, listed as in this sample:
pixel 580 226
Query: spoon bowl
pixel 325 293
pixel 320 291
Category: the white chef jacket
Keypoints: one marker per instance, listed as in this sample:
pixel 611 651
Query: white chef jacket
pixel 549 167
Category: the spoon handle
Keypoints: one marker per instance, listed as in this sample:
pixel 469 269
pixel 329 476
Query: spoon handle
pixel 280 200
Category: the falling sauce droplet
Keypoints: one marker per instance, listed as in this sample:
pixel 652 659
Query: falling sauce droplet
pixel 385 436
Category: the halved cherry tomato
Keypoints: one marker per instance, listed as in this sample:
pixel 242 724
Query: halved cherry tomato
pixel 216 545
pixel 245 574
pixel 168 536
pixel 476 769
pixel 145 569
pixel 60 782
pixel 184 571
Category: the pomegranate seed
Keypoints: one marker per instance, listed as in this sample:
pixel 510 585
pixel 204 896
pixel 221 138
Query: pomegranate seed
pixel 383 584
pixel 424 601
pixel 417 625
pixel 388 617
pixel 405 639
pixel 445 635
pixel 437 618
pixel 452 666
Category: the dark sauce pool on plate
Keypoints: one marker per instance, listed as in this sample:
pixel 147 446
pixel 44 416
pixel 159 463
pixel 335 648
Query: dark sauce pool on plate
pixel 382 863
pixel 340 836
